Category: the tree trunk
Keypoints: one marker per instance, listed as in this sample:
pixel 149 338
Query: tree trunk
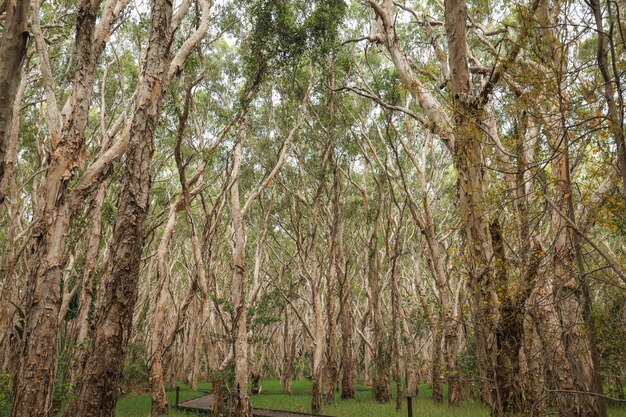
pixel 472 185
pixel 10 291
pixel 97 394
pixel 380 389
pixel 436 367
pixel 12 53
pixel 238 288
pixel 347 362
pixel 395 307
pixel 614 116
pixel 34 382
pixel 571 298
pixel 318 348
pixel 289 352
pixel 571 295
pixel 155 364
pixel 332 279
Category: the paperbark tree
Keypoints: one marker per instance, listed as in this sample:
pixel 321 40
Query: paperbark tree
pixel 345 295
pixel 98 389
pixel 13 46
pixel 238 286
pixel 34 380
pixel 331 366
pixel 611 85
pixel 381 354
pixel 242 407
pixel 465 136
pixel 570 288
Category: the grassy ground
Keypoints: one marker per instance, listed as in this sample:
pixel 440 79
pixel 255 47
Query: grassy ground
pixel 363 405
pixel 138 405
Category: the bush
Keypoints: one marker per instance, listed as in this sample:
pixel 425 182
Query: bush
pixel 223 383
pixel 5 393
pixel 135 369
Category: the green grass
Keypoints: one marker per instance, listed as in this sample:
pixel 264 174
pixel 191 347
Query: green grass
pixel 138 405
pixel 361 406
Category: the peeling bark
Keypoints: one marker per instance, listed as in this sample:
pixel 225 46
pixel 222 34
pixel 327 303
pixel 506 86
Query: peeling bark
pixel 98 391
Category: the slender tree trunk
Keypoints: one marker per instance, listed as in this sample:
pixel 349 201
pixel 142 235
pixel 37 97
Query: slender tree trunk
pixel 380 389
pixel 10 289
pixel 435 360
pixel 367 364
pixel 238 288
pixel 155 363
pixel 97 394
pixel 347 323
pixel 318 348
pixel 12 53
pixel 615 118
pixel 395 307
pixel 289 351
pixel 436 367
pixel 333 278
pixel 80 324
pixel 410 363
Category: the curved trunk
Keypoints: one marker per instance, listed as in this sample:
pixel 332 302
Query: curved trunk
pixel 97 394
pixel 34 380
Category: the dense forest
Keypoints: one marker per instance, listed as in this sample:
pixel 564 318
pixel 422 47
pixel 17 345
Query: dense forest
pixel 377 192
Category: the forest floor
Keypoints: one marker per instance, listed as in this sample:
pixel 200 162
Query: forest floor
pixel 138 405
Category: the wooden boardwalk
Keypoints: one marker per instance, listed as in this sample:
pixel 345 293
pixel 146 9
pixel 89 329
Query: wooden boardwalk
pixel 204 404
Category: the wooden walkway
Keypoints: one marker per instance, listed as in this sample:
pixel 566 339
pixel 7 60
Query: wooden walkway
pixel 204 404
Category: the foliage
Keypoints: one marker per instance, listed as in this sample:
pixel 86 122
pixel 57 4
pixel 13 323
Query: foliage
pixel 6 392
pixel 284 31
pixel 223 386
pixel 135 369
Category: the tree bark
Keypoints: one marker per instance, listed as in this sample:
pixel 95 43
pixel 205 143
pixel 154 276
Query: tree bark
pixel 318 342
pixel 347 323
pixel 12 53
pixel 331 285
pixel 98 391
pixel 238 288
pixel 10 291
pixel 158 396
pixel 571 293
pixel 34 381
pixel 380 389
pixel 289 352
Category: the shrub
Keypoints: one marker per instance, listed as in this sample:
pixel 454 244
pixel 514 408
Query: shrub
pixel 5 393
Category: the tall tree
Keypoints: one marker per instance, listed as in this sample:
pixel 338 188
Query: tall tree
pixel 34 380
pixel 102 371
pixel 13 46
